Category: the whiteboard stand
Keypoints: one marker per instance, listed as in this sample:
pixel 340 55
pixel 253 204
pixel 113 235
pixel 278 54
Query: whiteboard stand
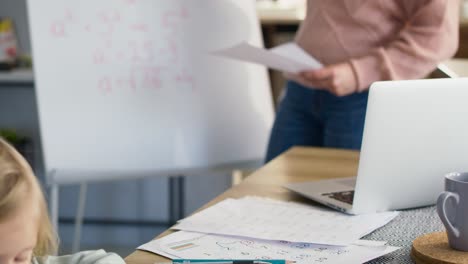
pixel 79 217
pixel 155 72
pixel 176 198
pixel 54 189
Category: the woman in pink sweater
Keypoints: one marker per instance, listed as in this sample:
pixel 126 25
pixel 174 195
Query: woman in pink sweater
pixel 359 42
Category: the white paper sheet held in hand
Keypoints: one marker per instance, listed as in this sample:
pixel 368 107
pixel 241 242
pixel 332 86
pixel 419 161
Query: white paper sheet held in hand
pixel 288 57
pixel 189 245
pixel 277 220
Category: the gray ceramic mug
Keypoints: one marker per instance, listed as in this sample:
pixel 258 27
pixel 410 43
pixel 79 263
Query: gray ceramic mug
pixel 452 207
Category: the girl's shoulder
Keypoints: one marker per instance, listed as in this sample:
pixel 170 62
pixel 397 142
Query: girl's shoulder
pixel 84 257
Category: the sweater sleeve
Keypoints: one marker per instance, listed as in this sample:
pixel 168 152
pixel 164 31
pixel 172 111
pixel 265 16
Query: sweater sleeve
pixel 84 257
pixel 429 36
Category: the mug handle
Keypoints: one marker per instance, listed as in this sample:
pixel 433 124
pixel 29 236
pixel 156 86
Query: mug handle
pixel 441 202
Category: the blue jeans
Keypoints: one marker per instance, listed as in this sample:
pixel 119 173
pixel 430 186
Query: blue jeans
pixel 309 117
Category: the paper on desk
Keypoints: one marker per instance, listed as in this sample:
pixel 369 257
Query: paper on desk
pixel 278 220
pixel 189 245
pixel 157 248
pixel 288 57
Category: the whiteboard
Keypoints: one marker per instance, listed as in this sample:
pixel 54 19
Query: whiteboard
pixel 130 85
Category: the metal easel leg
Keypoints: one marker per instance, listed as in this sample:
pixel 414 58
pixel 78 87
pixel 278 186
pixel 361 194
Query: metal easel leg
pixel 172 196
pixel 176 198
pixel 181 187
pixel 79 217
pixel 54 198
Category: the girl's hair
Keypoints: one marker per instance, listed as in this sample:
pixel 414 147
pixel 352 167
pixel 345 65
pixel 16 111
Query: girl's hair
pixel 17 183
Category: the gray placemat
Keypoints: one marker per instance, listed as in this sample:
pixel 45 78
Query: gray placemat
pixel 401 232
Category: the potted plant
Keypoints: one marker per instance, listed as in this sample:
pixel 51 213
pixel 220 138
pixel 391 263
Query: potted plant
pixel 21 143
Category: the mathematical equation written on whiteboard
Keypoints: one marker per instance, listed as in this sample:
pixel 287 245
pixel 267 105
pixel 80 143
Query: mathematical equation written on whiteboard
pixel 127 50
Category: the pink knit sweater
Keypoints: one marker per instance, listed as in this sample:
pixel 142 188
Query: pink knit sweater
pixel 382 39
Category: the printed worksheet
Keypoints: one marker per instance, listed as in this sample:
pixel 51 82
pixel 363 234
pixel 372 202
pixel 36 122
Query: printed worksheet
pixel 270 219
pixel 189 245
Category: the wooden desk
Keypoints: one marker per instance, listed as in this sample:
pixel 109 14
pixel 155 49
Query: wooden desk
pixel 454 68
pixel 297 164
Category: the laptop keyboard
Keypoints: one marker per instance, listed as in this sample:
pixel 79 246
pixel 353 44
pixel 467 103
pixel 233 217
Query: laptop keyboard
pixel 345 197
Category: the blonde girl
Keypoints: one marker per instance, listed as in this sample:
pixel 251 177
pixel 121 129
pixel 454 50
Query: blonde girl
pixel 26 233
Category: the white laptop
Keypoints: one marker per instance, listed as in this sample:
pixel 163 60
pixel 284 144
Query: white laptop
pixel 414 133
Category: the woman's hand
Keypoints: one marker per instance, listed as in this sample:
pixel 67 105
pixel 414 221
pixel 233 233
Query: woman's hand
pixel 338 79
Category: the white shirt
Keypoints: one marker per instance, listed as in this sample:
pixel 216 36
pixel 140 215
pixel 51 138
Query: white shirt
pixel 84 257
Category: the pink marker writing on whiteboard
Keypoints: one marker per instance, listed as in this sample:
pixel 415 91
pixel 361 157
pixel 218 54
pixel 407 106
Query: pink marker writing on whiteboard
pixel 58 29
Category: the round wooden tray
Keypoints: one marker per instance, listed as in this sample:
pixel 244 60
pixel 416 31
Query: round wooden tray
pixel 433 248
